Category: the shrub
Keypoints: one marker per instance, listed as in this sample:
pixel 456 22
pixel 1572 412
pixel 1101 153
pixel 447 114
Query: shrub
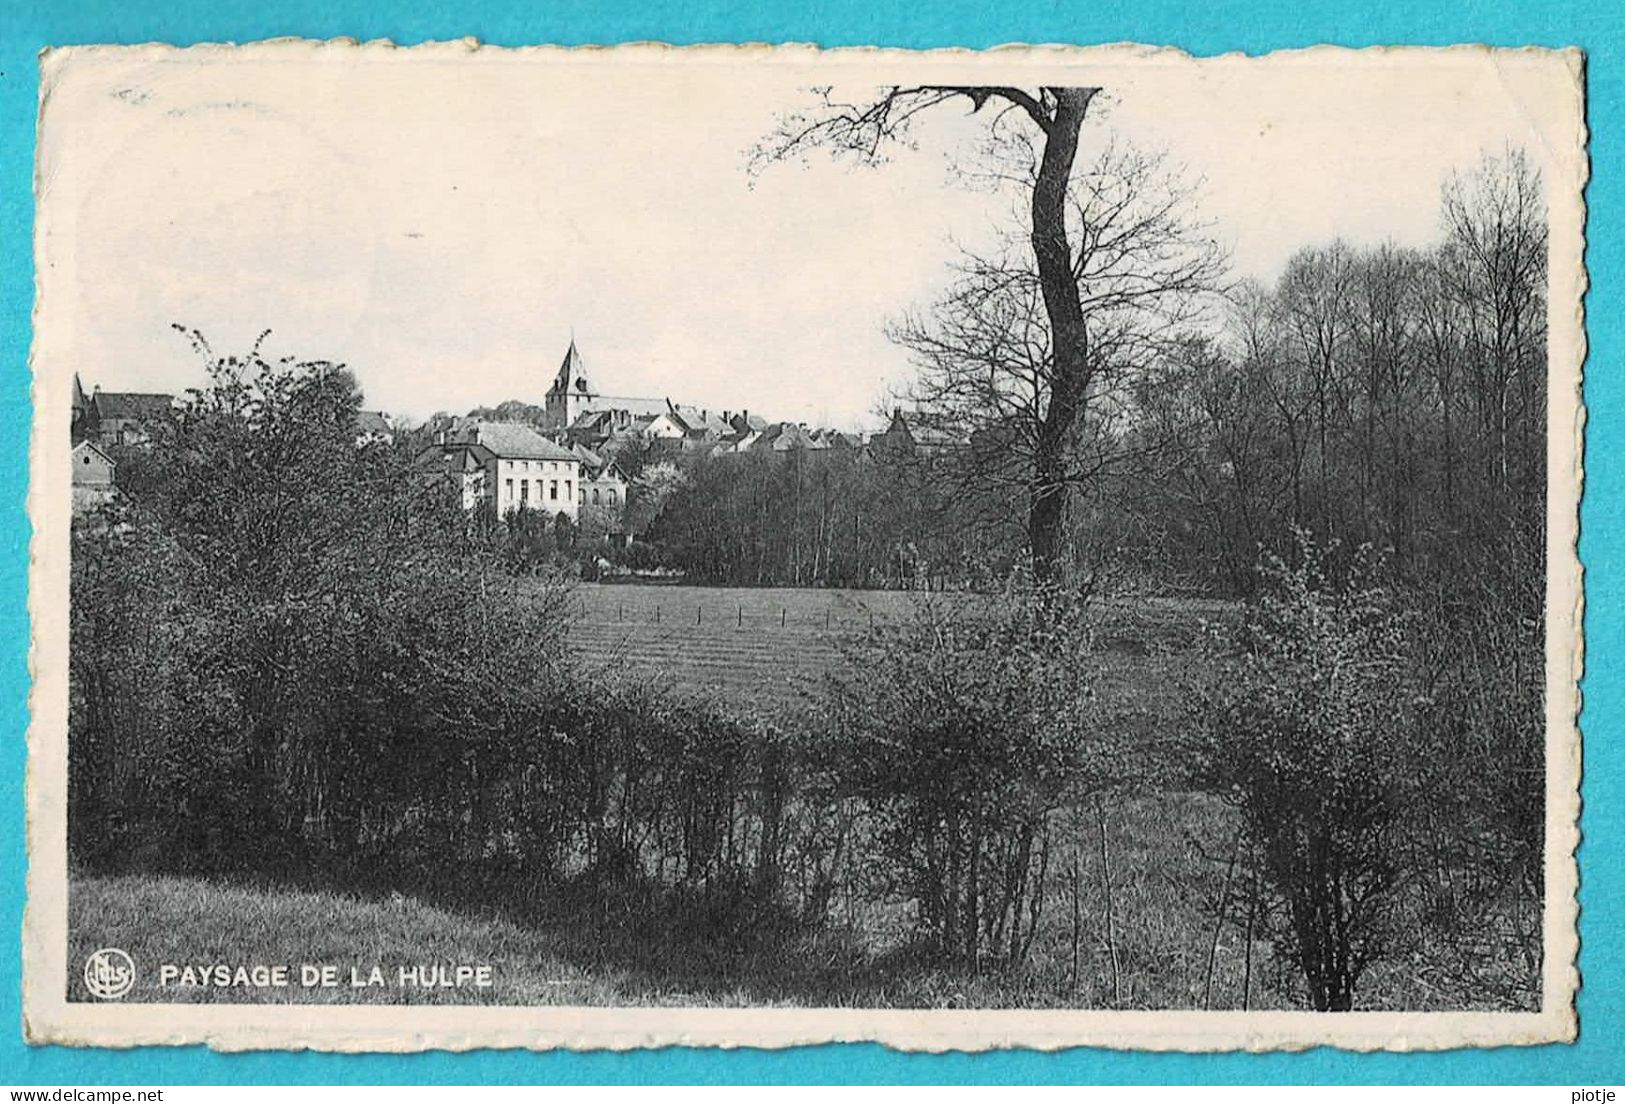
pixel 287 647
pixel 1480 642
pixel 959 734
pixel 1311 737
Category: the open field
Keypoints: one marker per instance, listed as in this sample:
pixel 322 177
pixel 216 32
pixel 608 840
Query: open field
pixel 758 648
pixel 766 647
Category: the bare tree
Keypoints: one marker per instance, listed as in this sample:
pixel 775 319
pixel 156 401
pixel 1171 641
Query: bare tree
pixel 1494 261
pixel 1141 265
pixel 1055 115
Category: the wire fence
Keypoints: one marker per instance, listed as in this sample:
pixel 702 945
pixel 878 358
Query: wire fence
pixel 737 615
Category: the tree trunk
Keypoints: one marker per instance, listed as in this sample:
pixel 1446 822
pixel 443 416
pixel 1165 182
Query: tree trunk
pixel 973 896
pixel 1106 893
pixel 1218 923
pixel 1047 495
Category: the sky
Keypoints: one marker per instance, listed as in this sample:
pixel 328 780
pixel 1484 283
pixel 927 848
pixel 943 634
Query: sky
pixel 446 221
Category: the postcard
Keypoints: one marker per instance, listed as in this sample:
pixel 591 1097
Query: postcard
pixel 753 545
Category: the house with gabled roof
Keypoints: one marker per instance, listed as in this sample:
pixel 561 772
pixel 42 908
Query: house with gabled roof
pixel 93 476
pixel 838 440
pixel 580 414
pixel 603 483
pixel 914 434
pixel 745 423
pixel 608 430
pixel 462 466
pixel 519 469
pixel 788 437
pixel 373 427
pixel 693 426
pixel 119 418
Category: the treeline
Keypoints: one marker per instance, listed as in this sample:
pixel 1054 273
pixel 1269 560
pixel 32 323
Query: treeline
pixel 1386 395
pixel 827 518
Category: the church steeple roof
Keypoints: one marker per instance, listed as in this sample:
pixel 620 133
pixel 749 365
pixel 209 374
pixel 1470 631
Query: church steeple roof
pixel 572 375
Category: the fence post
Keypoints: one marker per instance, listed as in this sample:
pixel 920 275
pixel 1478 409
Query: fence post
pixel 657 615
pixel 826 619
pixel 697 612
pixel 781 617
pixel 741 623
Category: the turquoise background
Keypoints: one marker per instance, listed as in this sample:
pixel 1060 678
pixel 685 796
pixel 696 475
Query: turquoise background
pixel 1202 28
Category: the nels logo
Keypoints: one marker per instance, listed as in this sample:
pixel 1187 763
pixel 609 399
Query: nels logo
pixel 109 973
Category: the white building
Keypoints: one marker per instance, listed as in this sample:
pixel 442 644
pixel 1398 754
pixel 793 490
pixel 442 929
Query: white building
pixel 513 467
pixel 93 476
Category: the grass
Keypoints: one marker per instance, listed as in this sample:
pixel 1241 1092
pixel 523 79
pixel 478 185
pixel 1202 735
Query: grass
pixel 1167 867
pixel 759 648
pixel 623 952
pixel 183 921
pixel 1166 872
pixel 765 647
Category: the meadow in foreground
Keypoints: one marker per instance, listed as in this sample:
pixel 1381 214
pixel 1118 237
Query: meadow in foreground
pixel 547 949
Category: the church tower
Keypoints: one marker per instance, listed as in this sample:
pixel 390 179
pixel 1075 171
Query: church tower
pixel 570 393
pixel 81 410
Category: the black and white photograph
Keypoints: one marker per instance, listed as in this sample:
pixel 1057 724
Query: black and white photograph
pixel 754 545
